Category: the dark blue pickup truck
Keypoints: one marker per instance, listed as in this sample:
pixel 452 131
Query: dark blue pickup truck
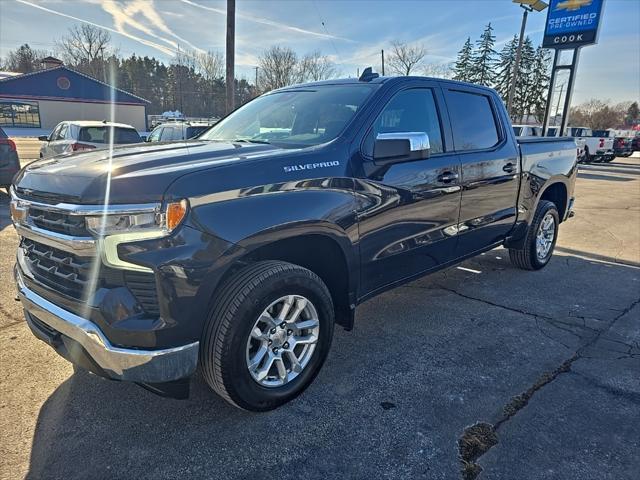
pixel 238 251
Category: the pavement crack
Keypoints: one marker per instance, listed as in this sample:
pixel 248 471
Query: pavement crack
pixel 488 302
pixel 480 437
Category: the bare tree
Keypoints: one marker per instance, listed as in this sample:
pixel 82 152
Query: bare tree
pixel 438 70
pixel 314 66
pixel 211 65
pixel 598 114
pixel 278 68
pixel 404 58
pixel 85 47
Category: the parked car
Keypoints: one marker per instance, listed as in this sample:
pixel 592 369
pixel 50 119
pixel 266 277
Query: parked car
pixel 635 143
pixel 527 131
pixel 9 162
pixel 239 253
pixel 597 148
pixel 177 131
pixel 580 143
pixel 75 136
pixel 621 144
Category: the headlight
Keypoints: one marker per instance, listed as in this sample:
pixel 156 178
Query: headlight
pixel 123 227
pixel 131 223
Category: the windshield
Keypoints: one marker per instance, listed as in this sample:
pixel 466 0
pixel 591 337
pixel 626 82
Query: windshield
pixel 293 118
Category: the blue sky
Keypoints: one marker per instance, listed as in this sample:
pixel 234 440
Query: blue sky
pixel 353 33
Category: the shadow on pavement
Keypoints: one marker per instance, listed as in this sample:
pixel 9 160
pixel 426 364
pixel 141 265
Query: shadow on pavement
pixel 613 178
pixel 424 361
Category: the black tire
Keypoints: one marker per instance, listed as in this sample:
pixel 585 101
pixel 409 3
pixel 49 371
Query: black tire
pixel 586 158
pixel 526 257
pixel 238 305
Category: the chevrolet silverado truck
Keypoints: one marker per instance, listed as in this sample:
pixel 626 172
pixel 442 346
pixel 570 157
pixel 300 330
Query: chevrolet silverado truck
pixel 237 252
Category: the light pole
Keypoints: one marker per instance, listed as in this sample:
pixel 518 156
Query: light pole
pixel 527 6
pixel 230 57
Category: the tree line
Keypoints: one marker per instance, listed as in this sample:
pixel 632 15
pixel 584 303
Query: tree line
pixel 481 63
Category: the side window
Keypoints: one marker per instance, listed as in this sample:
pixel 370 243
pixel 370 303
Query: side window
pixel 409 111
pixel 155 135
pixel 63 132
pixel 472 121
pixel 177 133
pixel 54 134
pixel 167 134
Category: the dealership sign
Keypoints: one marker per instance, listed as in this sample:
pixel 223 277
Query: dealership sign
pixel 572 23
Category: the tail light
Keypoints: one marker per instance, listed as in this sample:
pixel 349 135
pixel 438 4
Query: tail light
pixel 78 147
pixel 602 143
pixel 11 143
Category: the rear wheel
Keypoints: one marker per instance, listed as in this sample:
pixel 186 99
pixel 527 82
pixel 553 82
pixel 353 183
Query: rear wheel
pixel 267 336
pixel 540 239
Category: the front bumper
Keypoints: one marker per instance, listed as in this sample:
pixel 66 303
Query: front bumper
pixel 82 342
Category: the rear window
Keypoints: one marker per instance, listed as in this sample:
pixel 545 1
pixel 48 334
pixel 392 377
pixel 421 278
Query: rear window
pixel 472 120
pixel 194 131
pixel 517 131
pixel 101 135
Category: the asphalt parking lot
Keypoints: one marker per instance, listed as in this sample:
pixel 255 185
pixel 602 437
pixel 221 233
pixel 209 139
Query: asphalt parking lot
pixel 545 364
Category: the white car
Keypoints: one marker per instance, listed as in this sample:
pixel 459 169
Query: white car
pixel 596 149
pixel 580 142
pixel 527 130
pixel 74 136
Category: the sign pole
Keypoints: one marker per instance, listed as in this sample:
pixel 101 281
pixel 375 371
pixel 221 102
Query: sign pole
pixel 567 99
pixel 547 108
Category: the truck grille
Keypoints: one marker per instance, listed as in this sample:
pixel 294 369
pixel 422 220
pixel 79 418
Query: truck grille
pixel 59 270
pixel 58 222
pixel 69 274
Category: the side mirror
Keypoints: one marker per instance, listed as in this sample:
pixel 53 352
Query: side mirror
pixel 43 138
pixel 398 147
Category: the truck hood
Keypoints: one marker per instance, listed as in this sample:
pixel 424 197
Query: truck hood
pixel 136 174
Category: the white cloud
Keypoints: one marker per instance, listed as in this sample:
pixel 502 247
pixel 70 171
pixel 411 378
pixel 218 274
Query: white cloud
pixel 143 41
pixel 266 21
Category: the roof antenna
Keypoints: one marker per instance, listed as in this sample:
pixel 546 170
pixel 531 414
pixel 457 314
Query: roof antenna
pixel 368 75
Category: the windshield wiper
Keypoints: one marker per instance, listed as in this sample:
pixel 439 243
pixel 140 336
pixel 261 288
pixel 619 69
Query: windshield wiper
pixel 244 140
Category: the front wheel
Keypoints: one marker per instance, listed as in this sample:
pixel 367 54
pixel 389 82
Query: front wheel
pixel 540 239
pixel 267 335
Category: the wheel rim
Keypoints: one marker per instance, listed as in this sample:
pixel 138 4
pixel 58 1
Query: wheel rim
pixel 282 341
pixel 546 234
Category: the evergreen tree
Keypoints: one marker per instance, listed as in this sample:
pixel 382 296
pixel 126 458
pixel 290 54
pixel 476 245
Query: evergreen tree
pixel 633 115
pixel 483 59
pixel 525 87
pixel 504 68
pixel 462 67
pixel 540 79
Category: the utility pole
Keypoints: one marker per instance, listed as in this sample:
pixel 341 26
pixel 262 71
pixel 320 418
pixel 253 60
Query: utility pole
pixel 230 57
pixel 256 84
pixel 382 53
pixel 516 64
pixel 558 102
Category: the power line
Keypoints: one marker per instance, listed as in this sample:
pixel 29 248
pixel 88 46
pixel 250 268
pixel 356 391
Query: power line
pixel 326 31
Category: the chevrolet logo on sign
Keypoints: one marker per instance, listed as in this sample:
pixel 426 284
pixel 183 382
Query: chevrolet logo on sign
pixel 571 5
pixel 572 23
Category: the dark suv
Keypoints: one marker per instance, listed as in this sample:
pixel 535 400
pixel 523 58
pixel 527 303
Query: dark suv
pixel 177 131
pixel 9 163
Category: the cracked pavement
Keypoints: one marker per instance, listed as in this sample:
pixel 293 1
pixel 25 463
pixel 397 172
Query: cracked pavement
pixel 424 362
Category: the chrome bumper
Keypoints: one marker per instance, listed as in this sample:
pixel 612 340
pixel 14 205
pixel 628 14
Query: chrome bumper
pixel 144 366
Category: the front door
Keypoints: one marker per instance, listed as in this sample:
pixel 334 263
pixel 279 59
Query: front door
pixel 407 211
pixel 490 168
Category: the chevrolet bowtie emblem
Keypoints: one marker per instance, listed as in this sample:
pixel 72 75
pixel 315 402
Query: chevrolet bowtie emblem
pixel 571 5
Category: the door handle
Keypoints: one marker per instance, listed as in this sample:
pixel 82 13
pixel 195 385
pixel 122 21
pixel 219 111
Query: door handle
pixel 509 168
pixel 447 177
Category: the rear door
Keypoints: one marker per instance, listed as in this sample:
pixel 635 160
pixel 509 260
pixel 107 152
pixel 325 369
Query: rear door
pixel 408 209
pixel 490 168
